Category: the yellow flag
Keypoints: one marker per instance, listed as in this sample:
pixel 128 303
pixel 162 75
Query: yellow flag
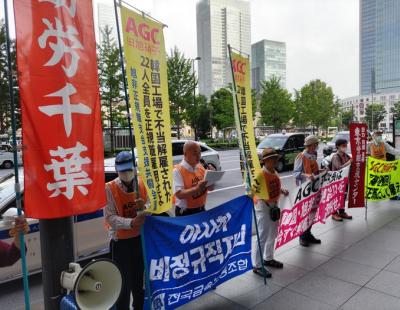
pixel 244 126
pixel 146 70
pixel 383 179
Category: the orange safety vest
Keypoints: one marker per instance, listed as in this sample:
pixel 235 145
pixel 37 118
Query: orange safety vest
pixel 378 151
pixel 126 207
pixel 310 166
pixel 191 179
pixel 273 184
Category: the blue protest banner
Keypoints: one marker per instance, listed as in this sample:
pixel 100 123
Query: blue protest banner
pixel 187 256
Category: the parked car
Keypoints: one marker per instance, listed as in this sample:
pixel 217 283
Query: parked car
pixel 331 147
pixel 210 156
pixel 90 237
pixel 7 156
pixel 288 145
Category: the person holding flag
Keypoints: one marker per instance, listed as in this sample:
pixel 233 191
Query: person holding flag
pixel 11 253
pixel 123 221
pixel 379 149
pixel 190 188
pixel 268 214
pixel 306 169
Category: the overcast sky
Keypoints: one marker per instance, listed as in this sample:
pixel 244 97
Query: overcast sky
pixel 321 35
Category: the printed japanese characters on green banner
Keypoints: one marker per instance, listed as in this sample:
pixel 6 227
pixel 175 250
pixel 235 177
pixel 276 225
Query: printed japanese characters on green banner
pixel 148 92
pixel 244 125
pixel 382 180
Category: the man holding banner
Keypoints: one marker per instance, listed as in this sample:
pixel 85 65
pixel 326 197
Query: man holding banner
pixel 306 168
pixel 190 188
pixel 268 214
pixel 123 222
pixel 378 148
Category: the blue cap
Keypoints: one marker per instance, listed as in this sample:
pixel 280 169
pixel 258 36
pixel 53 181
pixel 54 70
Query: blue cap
pixel 124 161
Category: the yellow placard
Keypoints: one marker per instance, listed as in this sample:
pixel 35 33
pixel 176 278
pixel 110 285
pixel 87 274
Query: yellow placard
pixel 382 180
pixel 146 70
pixel 244 126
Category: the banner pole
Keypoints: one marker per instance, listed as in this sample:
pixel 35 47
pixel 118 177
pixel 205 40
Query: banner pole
pixel 15 155
pixel 248 181
pixel 131 138
pixel 147 305
pixel 366 200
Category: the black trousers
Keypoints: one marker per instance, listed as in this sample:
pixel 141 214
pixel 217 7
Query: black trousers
pixel 127 254
pixel 180 212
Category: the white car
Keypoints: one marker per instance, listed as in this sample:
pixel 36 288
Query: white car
pixel 90 237
pixel 209 155
pixel 7 156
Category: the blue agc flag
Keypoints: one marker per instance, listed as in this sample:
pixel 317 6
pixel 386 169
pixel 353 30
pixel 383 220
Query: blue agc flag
pixel 188 256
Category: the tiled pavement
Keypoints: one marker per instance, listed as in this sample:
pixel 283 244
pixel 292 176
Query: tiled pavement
pixel 357 267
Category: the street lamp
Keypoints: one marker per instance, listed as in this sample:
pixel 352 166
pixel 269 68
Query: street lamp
pixel 194 84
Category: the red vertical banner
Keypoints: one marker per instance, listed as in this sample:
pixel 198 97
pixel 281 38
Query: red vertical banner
pixel 358 142
pixel 61 120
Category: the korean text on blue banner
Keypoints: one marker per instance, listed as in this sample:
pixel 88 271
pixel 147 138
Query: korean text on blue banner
pixel 188 256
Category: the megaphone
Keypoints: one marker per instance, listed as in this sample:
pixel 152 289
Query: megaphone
pixel 96 286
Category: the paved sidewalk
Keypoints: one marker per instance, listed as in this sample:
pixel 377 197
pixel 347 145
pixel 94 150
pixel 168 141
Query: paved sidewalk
pixel 357 267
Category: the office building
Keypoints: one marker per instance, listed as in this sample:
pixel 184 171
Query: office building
pixel 219 23
pixel 268 59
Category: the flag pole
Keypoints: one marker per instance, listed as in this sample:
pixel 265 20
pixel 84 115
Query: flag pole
pixel 15 154
pixel 243 153
pixel 131 138
pixel 366 199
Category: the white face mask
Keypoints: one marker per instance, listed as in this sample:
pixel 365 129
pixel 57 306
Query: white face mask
pixel 378 139
pixel 126 176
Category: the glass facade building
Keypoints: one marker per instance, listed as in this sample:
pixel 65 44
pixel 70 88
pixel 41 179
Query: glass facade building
pixel 379 46
pixel 219 23
pixel 268 59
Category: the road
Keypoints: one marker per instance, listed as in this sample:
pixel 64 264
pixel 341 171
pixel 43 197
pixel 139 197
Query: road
pixel 230 186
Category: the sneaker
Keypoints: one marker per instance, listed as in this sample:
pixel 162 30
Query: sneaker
pixel 313 240
pixel 345 216
pixel 337 217
pixel 262 272
pixel 304 242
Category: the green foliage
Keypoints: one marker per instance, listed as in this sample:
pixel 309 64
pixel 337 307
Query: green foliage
pixel 181 85
pixel 276 105
pixel 347 118
pixel 198 116
pixel 396 110
pixel 374 114
pixel 314 105
pixel 254 107
pixel 5 114
pixel 222 113
pixel 110 82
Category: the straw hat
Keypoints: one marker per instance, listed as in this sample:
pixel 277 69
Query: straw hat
pixel 310 140
pixel 269 153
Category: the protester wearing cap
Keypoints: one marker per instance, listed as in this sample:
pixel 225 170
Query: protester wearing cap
pixel 306 169
pixel 268 214
pixel 341 160
pixel 190 188
pixel 378 148
pixel 123 220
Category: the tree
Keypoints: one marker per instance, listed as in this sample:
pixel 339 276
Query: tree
pixel 276 105
pixel 374 114
pixel 254 100
pixel 198 116
pixel 222 113
pixel 5 113
pixel 347 118
pixel 181 83
pixel 315 105
pixel 396 110
pixel 111 82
